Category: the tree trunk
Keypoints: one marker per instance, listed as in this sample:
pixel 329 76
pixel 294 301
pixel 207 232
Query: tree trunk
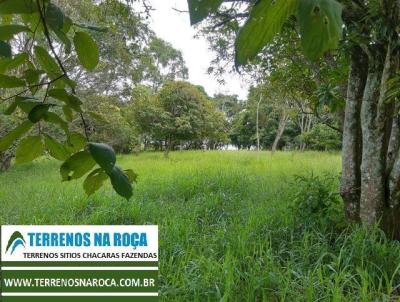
pixel 5 161
pixel 370 184
pixel 352 144
pixel 372 196
pixel 279 133
pixel 167 147
pixel 257 124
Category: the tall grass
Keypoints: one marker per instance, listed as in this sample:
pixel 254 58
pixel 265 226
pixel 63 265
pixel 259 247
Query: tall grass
pixel 234 226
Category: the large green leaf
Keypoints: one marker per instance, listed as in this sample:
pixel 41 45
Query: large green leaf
pixel 28 149
pixel 38 112
pixel 71 83
pixel 54 17
pixel 10 109
pixel 94 181
pixel 69 99
pixel 199 9
pixel 7 140
pixel 5 50
pixel 91 27
pixel 87 50
pixel 17 7
pixel 10 82
pixel 8 31
pixel 132 176
pixel 67 24
pixel 26 104
pixel 121 182
pixel 56 149
pixel 104 155
pixel 68 113
pixel 75 142
pixel 32 76
pixel 77 165
pixel 64 39
pixel 265 21
pixel 54 118
pixel 11 63
pixel 47 62
pixel 321 26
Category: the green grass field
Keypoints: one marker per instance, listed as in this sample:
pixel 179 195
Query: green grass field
pixel 230 229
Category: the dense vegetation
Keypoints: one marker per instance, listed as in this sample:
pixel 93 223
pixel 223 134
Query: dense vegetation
pixel 233 225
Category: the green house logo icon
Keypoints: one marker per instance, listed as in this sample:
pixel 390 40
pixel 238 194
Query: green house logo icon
pixel 15 241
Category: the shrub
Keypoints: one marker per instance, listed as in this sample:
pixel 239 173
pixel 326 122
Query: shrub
pixel 321 138
pixel 316 203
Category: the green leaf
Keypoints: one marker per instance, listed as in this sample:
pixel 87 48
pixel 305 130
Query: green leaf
pixel 69 99
pixel 321 26
pixel 121 182
pixel 8 7
pixel 29 149
pixel 5 50
pixel 199 9
pixel 7 140
pixel 47 62
pixel 10 82
pixel 11 63
pixel 59 94
pixel 32 76
pixel 10 109
pixel 17 61
pixel 75 142
pixel 52 117
pixel 38 112
pixel 7 32
pixel 26 103
pixel 64 39
pixel 72 84
pixel 87 50
pixel 67 24
pixel 132 176
pixel 94 181
pixel 265 21
pixel 54 17
pixel 67 113
pixel 56 149
pixel 104 155
pixel 77 165
pixel 91 27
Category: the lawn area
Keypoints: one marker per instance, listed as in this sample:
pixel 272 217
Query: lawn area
pixel 228 224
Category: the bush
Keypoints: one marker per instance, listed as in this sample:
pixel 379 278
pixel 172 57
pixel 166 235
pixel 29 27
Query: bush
pixel 316 203
pixel 321 138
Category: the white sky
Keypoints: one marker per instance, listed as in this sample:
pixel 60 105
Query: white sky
pixel 174 27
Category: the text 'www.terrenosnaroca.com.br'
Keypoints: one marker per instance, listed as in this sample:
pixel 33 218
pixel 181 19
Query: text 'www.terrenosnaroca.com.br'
pixel 78 282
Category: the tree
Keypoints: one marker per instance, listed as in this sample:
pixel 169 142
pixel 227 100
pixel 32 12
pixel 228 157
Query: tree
pixel 322 138
pixel 181 114
pixel 131 52
pixel 184 113
pixel 370 182
pixel 146 115
pixel 110 124
pixel 36 84
pixel 230 105
pixel 215 130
